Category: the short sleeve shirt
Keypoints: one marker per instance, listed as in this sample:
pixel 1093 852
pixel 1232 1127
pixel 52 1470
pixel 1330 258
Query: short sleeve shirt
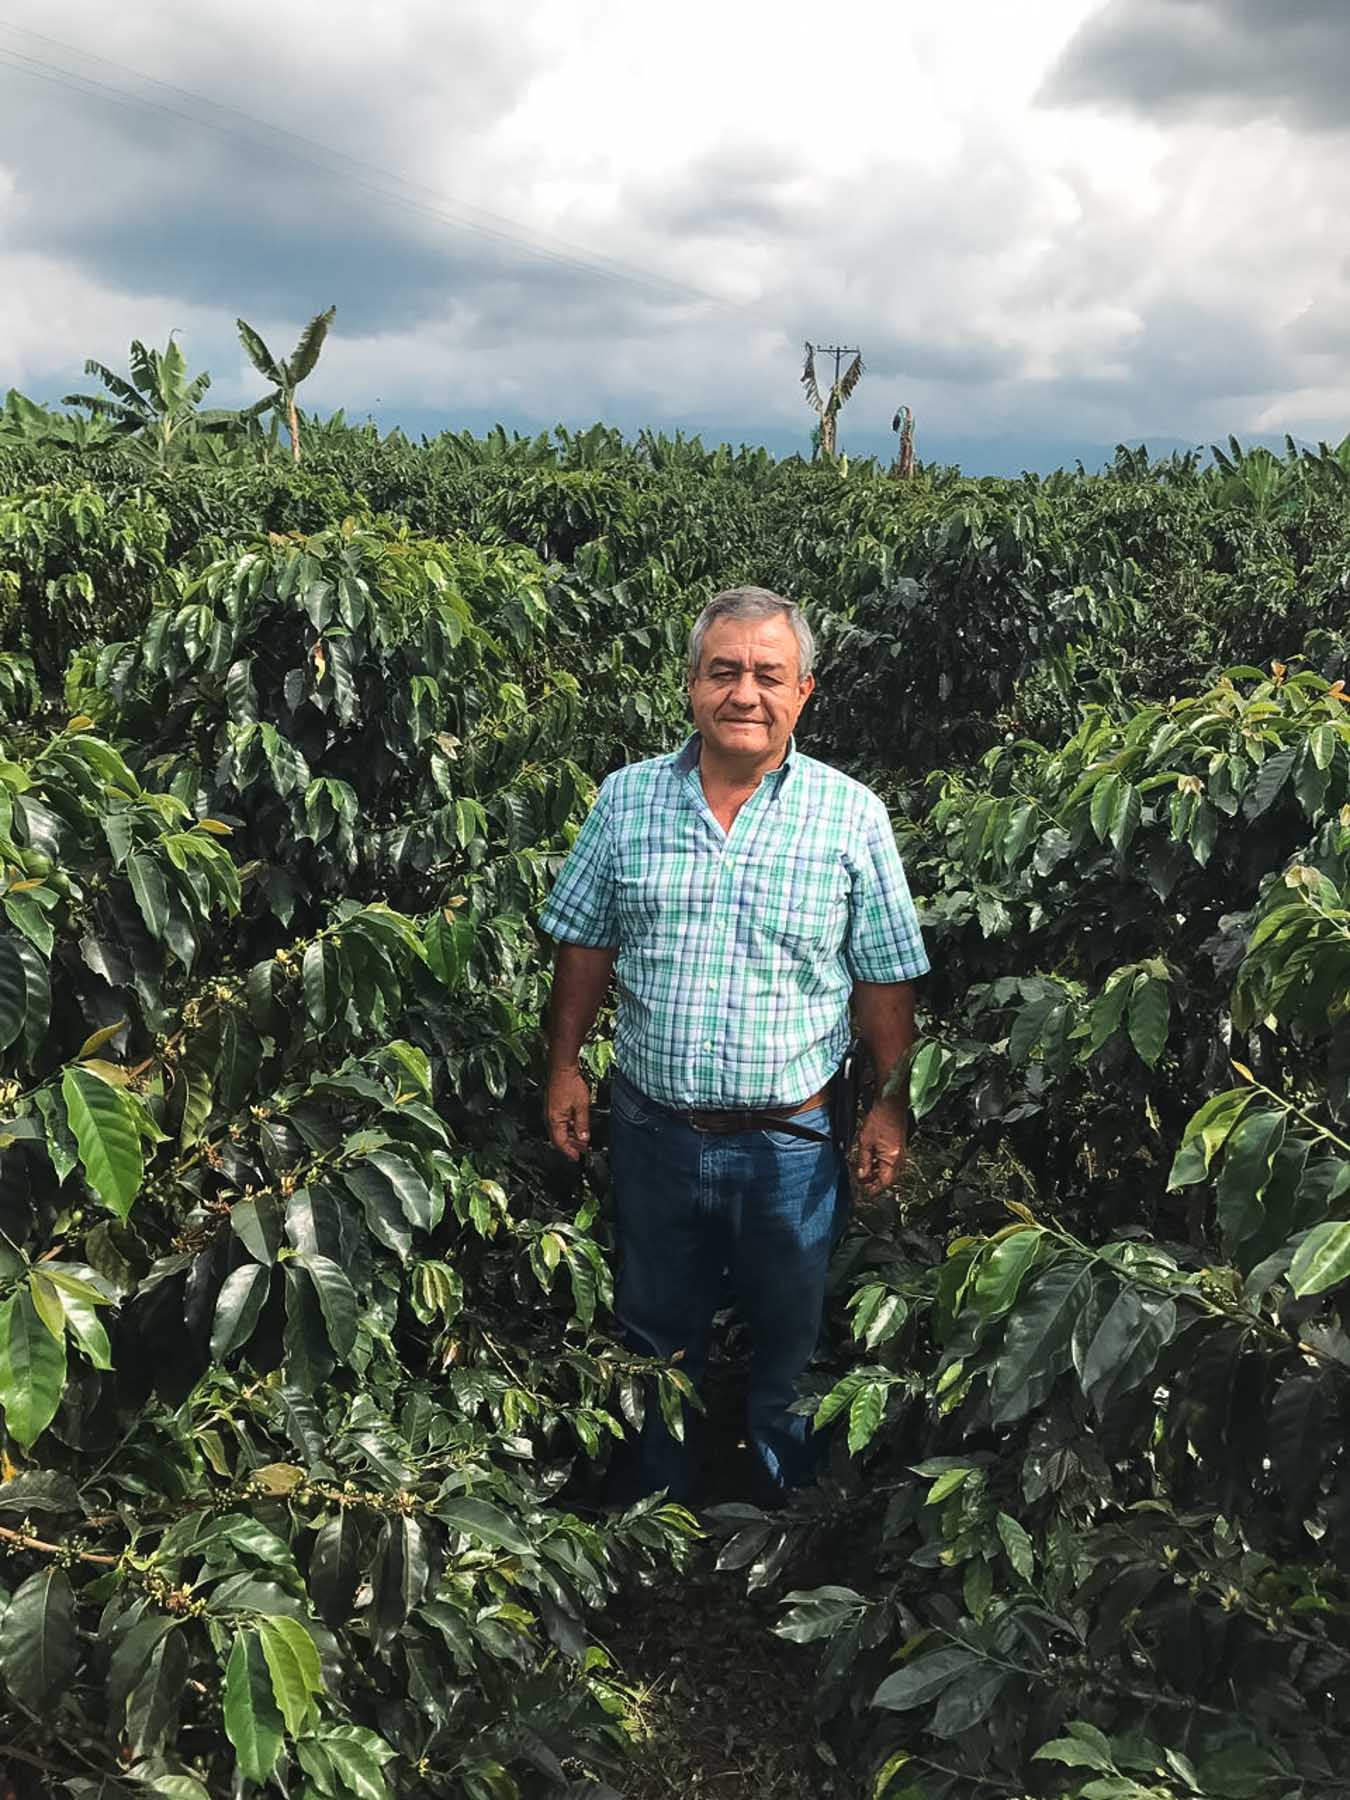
pixel 737 951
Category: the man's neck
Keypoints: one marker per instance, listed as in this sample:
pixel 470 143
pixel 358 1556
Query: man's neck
pixel 735 775
pixel 729 783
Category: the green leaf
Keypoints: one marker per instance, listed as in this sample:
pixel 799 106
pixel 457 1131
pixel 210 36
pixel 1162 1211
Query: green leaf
pixel 1074 1754
pixel 1037 1337
pixel 1002 1270
pixel 293 1663
pixel 384 1215
pixel 253 1722
pixel 924 1679
pixel 819 1614
pixel 414 1198
pixel 32 1369
pixel 151 890
pixel 864 1415
pixel 84 1323
pixel 1273 774
pixel 1321 1260
pixel 1149 1016
pixel 356 1756
pixel 1125 816
pixel 1248 1158
pixel 258 353
pixel 302 359
pixel 238 1305
pixel 1206 1133
pixel 449 945
pixel 109 1142
pixel 38 1647
pixel 309 1360
pixel 320 980
pixel 1127 1345
pixel 482 1520
pixel 1102 808
pixel 400 1575
pixel 929 1074
pixel 153 1703
pixel 337 1302
pixel 947 1483
pixel 335 1569
pixel 13 993
pixel 1017 1543
pixel 38 1014
pixel 964 1703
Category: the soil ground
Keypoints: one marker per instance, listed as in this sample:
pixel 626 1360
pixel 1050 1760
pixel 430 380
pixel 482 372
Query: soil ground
pixel 721 1709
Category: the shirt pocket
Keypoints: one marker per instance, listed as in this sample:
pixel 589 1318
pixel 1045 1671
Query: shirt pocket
pixel 800 902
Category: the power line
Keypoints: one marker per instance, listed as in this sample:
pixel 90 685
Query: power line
pixel 502 230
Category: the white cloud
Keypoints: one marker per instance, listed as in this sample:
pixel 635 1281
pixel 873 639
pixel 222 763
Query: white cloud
pixel 877 175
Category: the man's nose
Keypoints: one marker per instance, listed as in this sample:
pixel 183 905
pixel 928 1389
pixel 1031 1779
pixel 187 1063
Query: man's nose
pixel 745 693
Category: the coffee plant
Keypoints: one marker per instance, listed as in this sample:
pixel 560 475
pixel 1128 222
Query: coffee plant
pixel 306 1359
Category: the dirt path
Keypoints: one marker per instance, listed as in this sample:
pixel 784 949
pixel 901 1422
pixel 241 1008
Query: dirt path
pixel 721 1709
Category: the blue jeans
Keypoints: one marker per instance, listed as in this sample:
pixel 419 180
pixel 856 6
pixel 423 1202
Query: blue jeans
pixel 690 1205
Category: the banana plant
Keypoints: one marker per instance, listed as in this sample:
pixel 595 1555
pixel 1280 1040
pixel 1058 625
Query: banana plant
pixel 903 422
pixel 829 405
pixel 158 409
pixel 286 375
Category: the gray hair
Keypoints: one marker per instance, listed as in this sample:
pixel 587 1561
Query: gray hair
pixel 753 603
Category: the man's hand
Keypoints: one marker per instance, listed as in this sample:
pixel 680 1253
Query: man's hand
pixel 879 1154
pixel 568 1104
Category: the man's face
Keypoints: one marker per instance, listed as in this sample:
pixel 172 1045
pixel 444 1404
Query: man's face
pixel 747 695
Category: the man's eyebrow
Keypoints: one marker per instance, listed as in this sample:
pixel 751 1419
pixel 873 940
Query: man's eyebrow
pixel 734 662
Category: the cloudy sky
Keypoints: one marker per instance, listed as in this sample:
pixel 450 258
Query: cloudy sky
pixel 1050 227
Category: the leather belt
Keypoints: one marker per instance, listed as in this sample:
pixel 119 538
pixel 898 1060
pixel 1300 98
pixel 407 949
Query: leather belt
pixel 757 1118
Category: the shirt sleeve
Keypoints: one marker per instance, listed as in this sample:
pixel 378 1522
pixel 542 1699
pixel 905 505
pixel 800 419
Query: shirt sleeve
pixel 884 940
pixel 581 909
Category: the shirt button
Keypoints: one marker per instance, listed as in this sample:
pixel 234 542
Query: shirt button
pixel 707 1045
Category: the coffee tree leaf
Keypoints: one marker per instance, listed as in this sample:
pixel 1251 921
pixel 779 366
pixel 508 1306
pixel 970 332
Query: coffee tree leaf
pixel 238 1305
pixel 39 1650
pixel 293 1664
pixel 253 1721
pixel 108 1138
pixel 1322 1260
pixel 32 1369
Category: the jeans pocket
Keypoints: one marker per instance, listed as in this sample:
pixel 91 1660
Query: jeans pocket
pixel 626 1103
pixel 818 1119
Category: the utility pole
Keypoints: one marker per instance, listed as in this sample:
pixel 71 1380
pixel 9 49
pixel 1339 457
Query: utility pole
pixel 845 380
pixel 838 352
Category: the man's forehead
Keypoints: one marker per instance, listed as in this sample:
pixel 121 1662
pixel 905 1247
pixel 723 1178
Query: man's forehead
pixel 739 640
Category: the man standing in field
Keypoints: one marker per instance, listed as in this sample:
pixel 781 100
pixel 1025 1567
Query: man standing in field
pixel 746 894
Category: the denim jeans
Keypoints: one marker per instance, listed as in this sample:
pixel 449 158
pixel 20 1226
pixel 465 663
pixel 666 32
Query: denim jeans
pixel 690 1205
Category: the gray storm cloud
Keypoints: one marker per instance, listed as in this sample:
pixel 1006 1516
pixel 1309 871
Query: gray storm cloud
pixel 1002 274
pixel 1242 59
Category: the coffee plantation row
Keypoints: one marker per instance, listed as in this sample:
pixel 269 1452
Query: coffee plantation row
pixel 305 1357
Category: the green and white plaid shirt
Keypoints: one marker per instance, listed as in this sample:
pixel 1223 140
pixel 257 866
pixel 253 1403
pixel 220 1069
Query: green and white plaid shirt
pixel 737 950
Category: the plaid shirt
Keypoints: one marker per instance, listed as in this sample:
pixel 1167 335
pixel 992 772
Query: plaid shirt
pixel 737 950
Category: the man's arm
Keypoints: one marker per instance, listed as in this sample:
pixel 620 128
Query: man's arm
pixel 581 978
pixel 884 1014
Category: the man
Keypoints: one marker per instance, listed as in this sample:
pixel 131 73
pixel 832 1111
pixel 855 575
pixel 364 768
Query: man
pixel 746 894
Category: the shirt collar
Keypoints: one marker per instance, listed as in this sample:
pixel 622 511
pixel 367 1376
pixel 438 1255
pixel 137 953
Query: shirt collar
pixel 686 758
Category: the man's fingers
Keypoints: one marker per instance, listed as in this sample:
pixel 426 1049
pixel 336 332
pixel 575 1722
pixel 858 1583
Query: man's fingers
pixel 570 1130
pixel 877 1169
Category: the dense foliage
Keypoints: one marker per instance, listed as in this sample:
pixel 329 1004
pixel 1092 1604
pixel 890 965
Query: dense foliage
pixel 304 1359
